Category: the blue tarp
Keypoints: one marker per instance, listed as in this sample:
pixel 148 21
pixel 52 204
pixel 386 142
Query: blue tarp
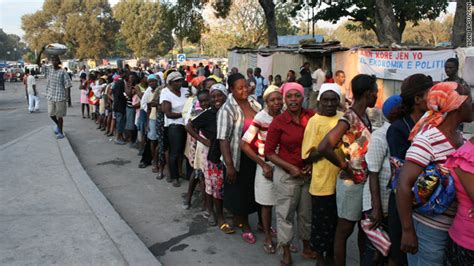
pixel 294 39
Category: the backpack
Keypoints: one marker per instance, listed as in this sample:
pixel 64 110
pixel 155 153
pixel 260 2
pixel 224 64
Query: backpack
pixel 433 191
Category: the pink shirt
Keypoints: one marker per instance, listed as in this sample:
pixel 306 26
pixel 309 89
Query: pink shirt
pixel 462 229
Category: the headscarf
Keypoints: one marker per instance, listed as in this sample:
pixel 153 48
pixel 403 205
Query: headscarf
pixel 219 87
pixel 152 76
pixel 442 99
pixel 173 76
pixel 197 81
pixel 391 103
pixel 291 86
pixel 329 87
pixel 271 89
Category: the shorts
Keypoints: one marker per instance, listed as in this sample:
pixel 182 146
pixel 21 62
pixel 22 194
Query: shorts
pixel 151 135
pixel 130 124
pixel 120 122
pixel 214 180
pixel 58 109
pixel 349 199
pixel 141 121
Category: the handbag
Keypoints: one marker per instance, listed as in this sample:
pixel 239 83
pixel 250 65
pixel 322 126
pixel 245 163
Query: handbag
pixel 378 237
pixel 433 191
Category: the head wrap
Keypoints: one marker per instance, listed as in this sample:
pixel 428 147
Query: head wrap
pixel 216 78
pixel 271 89
pixel 116 77
pixel 173 76
pixel 291 86
pixel 391 103
pixel 152 76
pixel 219 87
pixel 329 87
pixel 197 81
pixel 442 99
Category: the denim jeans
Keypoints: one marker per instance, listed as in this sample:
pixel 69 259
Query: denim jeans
pixel 431 246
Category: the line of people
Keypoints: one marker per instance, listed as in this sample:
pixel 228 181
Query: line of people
pixel 323 170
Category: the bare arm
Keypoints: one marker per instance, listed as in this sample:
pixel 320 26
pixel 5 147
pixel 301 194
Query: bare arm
pixel 408 175
pixel 166 107
pixel 190 129
pixel 330 141
pixel 229 163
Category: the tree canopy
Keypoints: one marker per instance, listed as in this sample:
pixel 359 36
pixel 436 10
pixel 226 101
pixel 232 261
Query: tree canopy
pixel 144 27
pixel 11 47
pixel 86 27
pixel 386 18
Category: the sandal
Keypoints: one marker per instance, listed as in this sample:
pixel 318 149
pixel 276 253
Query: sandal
pixel 211 221
pixel 269 248
pixel 154 169
pixel 293 248
pixel 160 176
pixel 249 237
pixel 226 229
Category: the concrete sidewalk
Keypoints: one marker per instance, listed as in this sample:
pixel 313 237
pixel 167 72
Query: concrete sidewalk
pixel 52 213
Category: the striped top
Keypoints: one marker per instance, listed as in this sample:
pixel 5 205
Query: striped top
pixel 259 129
pixel 431 145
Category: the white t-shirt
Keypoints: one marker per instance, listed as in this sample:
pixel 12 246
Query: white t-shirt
pixel 30 81
pixel 320 77
pixel 177 104
pixel 146 98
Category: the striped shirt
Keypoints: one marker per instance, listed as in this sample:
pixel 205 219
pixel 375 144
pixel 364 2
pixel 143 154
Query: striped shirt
pixel 431 145
pixel 259 129
pixel 230 124
pixel 57 82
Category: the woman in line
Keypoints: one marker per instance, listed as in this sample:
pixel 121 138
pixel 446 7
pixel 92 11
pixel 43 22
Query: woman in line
pixel 435 137
pixel 354 130
pixel 291 174
pixel 413 92
pixel 233 119
pixel 172 101
pixel 206 124
pixel 253 144
pixel 84 95
pixel 460 249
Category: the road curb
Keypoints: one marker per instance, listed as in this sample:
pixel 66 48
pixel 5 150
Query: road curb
pixel 127 242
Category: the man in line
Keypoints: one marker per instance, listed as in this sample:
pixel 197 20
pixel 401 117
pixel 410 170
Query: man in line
pixel 58 82
pixel 319 77
pixel 33 98
pixel 451 68
pixel 306 82
pixel 340 79
pixel 260 84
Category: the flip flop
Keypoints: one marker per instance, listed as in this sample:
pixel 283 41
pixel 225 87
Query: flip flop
pixel 249 238
pixel 226 229
pixel 269 248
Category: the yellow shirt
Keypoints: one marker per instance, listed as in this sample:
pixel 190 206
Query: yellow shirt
pixel 324 173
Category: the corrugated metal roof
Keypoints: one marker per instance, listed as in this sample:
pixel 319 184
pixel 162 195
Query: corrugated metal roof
pixel 295 39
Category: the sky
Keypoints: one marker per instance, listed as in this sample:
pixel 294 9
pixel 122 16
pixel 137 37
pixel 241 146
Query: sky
pixel 12 10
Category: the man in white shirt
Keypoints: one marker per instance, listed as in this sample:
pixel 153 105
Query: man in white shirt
pixel 340 79
pixel 319 77
pixel 33 99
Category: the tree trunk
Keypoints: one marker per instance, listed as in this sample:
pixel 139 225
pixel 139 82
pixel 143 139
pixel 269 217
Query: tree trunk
pixel 386 23
pixel 459 25
pixel 269 10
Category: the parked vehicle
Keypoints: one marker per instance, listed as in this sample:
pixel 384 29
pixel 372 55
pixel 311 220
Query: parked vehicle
pixel 13 74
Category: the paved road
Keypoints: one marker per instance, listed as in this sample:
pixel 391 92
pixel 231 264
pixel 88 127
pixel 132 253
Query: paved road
pixel 152 208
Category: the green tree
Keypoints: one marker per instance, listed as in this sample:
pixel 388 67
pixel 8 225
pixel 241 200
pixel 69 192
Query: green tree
pixel 85 26
pixel 144 27
pixel 188 22
pixel 428 32
pixel 386 18
pixel 11 47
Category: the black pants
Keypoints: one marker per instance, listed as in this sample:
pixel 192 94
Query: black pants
pixel 176 142
pixel 323 224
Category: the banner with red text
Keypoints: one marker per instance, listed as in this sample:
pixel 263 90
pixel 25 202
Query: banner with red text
pixel 398 65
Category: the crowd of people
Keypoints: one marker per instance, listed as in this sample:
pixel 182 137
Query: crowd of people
pixel 305 149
